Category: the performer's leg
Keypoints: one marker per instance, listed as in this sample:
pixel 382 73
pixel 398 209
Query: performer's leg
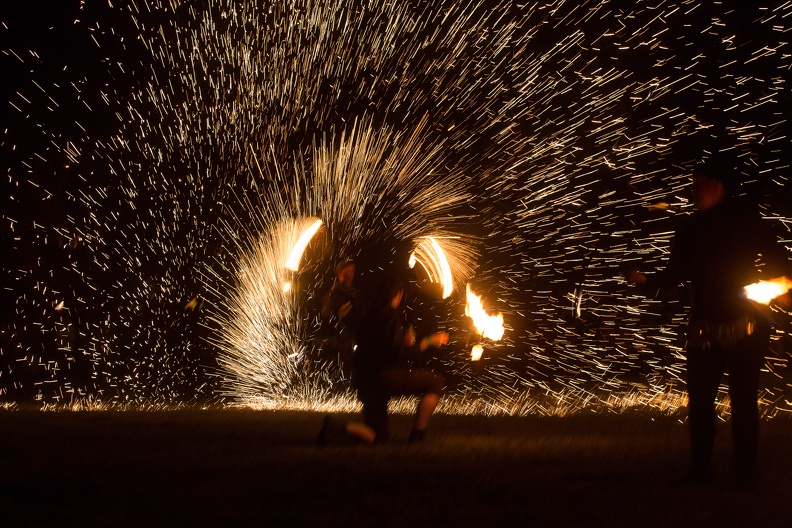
pixel 426 407
pixel 744 366
pixel 704 372
pixel 430 385
pixel 425 383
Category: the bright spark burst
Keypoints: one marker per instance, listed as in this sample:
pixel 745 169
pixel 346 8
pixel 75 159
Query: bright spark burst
pixel 261 330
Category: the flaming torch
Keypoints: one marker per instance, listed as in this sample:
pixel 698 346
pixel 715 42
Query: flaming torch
pixel 763 292
pixel 487 326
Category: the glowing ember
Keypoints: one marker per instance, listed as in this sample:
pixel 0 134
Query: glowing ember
pixel 765 291
pixel 476 352
pixel 489 326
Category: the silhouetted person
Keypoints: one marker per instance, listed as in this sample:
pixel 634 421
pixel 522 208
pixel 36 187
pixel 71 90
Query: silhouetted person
pixel 719 249
pixel 339 308
pixel 381 370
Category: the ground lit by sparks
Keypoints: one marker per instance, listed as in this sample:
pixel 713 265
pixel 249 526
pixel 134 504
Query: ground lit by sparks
pixel 566 403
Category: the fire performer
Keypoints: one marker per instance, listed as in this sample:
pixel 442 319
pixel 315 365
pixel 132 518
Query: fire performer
pixel 719 249
pixel 381 370
pixel 340 308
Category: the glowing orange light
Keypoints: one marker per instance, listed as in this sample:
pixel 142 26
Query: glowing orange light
pixel 489 326
pixel 765 291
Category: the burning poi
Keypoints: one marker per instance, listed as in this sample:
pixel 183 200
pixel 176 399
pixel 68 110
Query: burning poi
pixel 487 326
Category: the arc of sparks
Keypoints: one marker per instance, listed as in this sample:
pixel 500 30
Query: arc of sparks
pixel 430 255
pixel 293 261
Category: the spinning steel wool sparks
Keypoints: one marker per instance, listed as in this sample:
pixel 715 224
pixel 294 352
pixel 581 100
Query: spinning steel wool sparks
pixel 431 257
pixel 182 149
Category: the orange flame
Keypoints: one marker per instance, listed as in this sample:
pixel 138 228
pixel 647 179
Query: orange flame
pixel 489 326
pixel 765 291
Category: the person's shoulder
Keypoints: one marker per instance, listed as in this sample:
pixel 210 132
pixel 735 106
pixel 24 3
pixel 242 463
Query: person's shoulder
pixel 686 223
pixel 742 207
pixel 731 210
pixel 745 214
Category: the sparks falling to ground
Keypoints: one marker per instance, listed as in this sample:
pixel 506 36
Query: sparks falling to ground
pixel 545 146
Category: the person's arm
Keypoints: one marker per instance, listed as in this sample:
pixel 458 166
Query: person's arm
pixel 413 347
pixel 344 309
pixel 676 271
pixel 435 340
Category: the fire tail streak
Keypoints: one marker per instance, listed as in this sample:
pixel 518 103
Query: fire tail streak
pixel 433 259
pixel 293 262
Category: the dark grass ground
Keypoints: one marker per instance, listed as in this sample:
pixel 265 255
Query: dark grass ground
pixel 247 468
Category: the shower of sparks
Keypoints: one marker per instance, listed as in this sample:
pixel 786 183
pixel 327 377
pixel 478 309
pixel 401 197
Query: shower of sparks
pixel 371 190
pixel 177 152
pixel 262 332
pixel 764 292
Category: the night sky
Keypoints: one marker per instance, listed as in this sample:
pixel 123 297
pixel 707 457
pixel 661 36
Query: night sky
pixel 151 153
